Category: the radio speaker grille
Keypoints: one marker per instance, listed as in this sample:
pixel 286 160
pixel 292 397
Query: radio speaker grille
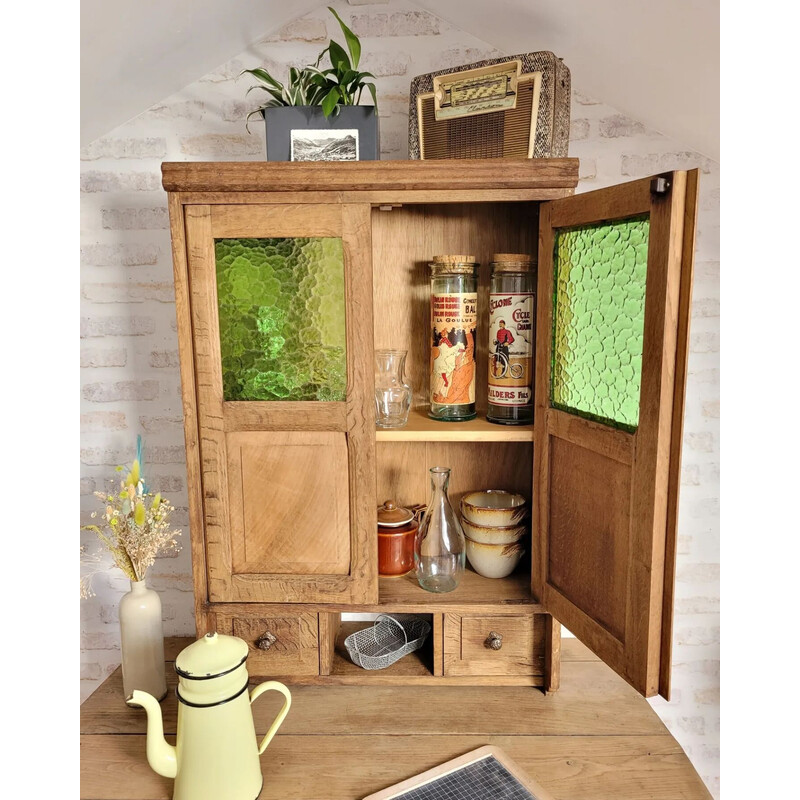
pixel 498 134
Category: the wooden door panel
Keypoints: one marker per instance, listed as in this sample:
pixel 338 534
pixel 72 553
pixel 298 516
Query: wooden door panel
pixel 617 266
pixel 590 571
pixel 288 481
pixel 289 503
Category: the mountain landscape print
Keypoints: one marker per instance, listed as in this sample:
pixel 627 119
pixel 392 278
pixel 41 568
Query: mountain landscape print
pixel 325 145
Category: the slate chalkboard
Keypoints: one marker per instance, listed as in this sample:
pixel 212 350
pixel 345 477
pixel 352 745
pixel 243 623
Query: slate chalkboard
pixel 483 774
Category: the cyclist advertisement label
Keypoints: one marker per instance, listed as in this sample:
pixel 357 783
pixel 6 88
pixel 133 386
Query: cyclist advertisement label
pixel 454 323
pixel 510 349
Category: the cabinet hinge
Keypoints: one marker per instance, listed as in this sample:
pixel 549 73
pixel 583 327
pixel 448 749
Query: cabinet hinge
pixel 660 185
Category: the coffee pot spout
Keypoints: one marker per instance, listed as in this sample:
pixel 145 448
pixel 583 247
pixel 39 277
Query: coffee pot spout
pixel 161 755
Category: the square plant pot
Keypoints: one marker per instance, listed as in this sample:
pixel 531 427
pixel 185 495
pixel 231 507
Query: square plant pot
pixel 303 133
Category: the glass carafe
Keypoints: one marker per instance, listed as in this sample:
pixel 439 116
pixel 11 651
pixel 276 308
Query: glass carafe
pixel 392 393
pixel 439 549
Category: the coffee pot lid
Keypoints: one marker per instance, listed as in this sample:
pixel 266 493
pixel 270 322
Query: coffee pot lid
pixel 393 516
pixel 212 655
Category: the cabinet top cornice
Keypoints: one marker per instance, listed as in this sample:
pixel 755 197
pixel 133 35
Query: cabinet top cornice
pixel 410 175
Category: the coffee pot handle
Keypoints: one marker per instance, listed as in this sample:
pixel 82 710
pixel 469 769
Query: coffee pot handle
pixel 256 693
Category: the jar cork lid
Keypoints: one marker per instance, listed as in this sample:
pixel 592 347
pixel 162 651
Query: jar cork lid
pixel 453 263
pixel 512 262
pixel 391 515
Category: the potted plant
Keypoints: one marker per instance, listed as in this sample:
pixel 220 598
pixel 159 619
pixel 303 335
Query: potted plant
pixel 316 115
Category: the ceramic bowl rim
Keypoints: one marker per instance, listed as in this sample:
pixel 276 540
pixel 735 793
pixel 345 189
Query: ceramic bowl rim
pixel 518 506
pixel 495 527
pixel 489 544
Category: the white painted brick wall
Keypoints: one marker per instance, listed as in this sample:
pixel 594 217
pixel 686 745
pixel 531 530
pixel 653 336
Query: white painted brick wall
pixel 129 368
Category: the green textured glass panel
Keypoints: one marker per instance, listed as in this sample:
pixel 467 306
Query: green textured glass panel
pixel 600 276
pixel 281 318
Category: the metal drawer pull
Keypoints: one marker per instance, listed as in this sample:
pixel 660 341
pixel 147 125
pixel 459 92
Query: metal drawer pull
pixel 494 640
pixel 266 640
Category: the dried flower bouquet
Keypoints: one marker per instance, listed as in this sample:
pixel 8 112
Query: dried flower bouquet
pixel 136 526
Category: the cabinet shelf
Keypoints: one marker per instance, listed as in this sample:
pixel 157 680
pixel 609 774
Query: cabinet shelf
pixel 404 593
pixel 421 428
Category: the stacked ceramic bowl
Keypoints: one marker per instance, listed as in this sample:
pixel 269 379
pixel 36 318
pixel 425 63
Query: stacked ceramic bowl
pixel 493 523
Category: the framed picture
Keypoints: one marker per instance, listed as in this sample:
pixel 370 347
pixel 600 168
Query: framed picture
pixel 324 145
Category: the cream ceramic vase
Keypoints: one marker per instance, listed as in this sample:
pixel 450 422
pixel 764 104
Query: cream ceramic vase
pixel 142 641
pixel 216 751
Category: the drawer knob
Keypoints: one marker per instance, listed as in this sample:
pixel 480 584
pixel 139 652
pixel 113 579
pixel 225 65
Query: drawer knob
pixel 494 640
pixel 266 640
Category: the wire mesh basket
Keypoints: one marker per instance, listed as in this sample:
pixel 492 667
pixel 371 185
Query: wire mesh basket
pixel 388 640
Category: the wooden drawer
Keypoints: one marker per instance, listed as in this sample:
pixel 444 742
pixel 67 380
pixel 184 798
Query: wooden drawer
pixel 521 653
pixel 294 651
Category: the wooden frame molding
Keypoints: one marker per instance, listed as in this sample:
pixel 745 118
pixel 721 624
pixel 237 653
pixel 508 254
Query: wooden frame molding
pixel 383 176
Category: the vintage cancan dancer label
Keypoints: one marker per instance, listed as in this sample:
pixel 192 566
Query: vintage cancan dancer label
pixel 510 349
pixel 454 323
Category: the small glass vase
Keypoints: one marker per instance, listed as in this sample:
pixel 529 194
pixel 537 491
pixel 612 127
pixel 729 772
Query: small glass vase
pixel 440 547
pixel 142 641
pixel 392 393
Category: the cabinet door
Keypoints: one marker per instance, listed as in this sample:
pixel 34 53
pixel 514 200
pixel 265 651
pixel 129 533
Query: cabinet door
pixel 615 270
pixel 281 302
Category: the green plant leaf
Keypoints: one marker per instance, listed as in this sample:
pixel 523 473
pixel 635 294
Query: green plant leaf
pixel 339 58
pixel 330 101
pixel 353 43
pixel 295 76
pixel 358 84
pixel 318 79
pixel 274 93
pixel 348 77
pixel 371 87
pixel 320 57
pixel 252 114
pixel 263 75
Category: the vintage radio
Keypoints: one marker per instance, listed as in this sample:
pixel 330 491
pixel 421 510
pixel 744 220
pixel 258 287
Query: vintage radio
pixel 513 107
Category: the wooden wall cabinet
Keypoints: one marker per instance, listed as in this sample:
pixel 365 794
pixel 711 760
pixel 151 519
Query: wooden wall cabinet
pixel 283 492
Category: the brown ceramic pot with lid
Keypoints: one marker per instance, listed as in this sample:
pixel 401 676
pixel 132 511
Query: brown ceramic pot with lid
pixel 397 527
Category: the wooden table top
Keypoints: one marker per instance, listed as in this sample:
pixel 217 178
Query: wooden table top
pixel 595 738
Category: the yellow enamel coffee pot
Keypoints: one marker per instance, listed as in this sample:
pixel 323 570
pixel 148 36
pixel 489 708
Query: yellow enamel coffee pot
pixel 216 751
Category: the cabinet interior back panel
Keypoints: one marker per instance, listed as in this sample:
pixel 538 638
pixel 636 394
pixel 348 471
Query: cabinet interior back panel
pixel 404 242
pixel 403 469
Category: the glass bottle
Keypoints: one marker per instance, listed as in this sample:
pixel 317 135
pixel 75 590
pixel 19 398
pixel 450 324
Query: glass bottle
pixel 454 323
pixel 439 547
pixel 392 393
pixel 512 327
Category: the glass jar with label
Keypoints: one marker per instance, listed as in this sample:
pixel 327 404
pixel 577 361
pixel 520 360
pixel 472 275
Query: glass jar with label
pixel 512 325
pixel 454 324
